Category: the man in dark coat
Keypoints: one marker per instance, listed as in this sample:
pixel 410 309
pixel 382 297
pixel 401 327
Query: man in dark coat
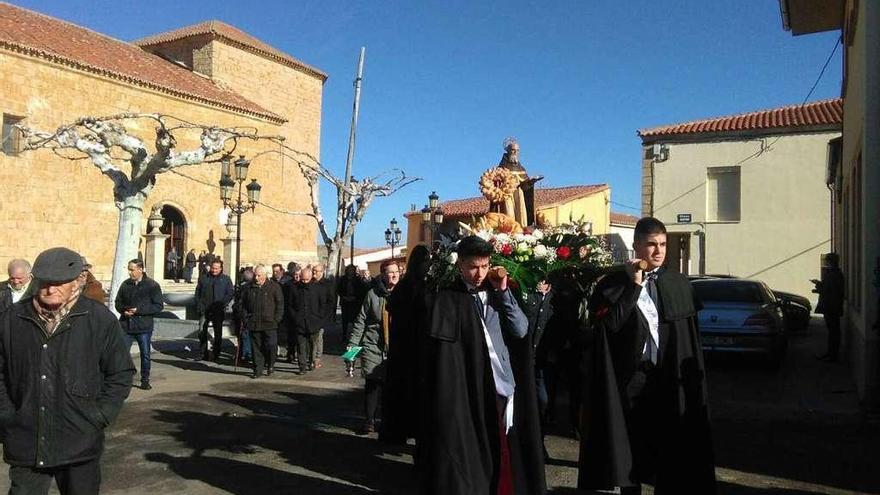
pixel 18 286
pixel 351 290
pixel 308 311
pixel 139 299
pixel 262 305
pixel 64 375
pixel 539 310
pixel 830 305
pixel 213 293
pixel 646 417
pixel 482 430
pixel 189 266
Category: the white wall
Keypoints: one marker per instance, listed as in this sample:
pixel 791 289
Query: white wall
pixel 784 207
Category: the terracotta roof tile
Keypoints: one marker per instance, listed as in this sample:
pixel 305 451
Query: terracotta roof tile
pixel 817 113
pixel 232 35
pixel 623 219
pixel 58 41
pixel 544 197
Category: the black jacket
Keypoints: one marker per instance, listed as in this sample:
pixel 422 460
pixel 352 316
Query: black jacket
pixel 6 294
pixel 307 308
pixel 146 296
pixel 59 392
pixel 214 293
pixel 459 452
pixel 262 306
pixel 610 453
pixel 539 309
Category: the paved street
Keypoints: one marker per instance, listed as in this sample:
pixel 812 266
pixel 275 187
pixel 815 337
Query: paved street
pixel 208 429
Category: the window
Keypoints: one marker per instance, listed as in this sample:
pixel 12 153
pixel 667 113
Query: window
pixel 11 136
pixel 722 194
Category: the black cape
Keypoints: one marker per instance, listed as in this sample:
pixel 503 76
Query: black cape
pixel 617 330
pixel 459 453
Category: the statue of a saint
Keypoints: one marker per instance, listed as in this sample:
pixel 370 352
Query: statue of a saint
pixel 520 205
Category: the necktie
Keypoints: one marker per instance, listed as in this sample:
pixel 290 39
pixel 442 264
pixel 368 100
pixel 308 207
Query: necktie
pixel 651 285
pixel 481 308
pixel 651 351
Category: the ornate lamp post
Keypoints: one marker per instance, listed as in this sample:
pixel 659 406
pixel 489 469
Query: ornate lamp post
pixel 432 214
pixel 239 205
pixel 392 235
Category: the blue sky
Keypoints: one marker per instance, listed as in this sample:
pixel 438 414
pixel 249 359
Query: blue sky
pixel 446 81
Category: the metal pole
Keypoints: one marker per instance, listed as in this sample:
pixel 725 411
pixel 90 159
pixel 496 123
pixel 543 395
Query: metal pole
pixel 237 237
pixel 351 140
pixel 354 116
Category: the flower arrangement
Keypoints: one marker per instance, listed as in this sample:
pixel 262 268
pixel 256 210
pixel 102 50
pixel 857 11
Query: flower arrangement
pixel 532 256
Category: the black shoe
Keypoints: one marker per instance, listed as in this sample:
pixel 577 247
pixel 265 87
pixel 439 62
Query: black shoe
pixel 145 385
pixel 270 371
pixel 255 375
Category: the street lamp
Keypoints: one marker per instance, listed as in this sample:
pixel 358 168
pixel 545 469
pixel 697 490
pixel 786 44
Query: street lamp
pixel 432 214
pixel 392 235
pixel 239 205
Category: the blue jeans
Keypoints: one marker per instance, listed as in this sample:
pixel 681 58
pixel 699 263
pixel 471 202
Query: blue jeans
pixel 143 341
pixel 246 351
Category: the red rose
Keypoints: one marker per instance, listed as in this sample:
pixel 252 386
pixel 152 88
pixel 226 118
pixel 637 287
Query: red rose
pixel 563 252
pixel 507 250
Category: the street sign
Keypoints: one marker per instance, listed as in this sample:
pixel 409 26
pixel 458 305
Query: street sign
pixel 684 218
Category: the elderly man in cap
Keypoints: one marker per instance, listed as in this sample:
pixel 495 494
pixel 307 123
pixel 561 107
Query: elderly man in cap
pixel 64 375
pixel 18 286
pixel 92 288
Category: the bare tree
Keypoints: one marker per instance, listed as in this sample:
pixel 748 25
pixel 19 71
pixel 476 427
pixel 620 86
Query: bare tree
pixel 97 138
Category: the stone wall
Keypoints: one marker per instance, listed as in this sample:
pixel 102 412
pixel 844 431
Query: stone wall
pixel 50 201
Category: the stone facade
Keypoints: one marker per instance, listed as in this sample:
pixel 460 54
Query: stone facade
pixel 50 201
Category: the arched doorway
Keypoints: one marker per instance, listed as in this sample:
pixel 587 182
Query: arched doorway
pixel 174 225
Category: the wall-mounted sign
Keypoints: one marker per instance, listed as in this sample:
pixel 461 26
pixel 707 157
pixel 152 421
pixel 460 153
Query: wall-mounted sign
pixel 683 218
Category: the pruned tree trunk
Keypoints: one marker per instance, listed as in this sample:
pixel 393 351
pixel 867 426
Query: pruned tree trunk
pixel 131 215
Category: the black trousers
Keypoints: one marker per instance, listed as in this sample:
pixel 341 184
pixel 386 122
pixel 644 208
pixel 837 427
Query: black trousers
pixel 833 324
pixel 214 317
pixel 73 479
pixel 265 347
pixel 643 423
pixel 372 396
pixel 306 348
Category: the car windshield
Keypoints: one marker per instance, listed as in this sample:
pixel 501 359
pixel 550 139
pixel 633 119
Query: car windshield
pixel 729 291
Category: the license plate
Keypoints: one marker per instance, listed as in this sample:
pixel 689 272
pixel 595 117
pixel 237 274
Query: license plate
pixel 718 340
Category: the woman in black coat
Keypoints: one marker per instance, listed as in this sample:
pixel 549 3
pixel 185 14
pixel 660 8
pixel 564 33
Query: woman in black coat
pixel 407 308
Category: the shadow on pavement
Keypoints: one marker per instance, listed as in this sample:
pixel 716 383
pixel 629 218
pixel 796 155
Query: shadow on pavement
pixel 306 430
pixel 202 366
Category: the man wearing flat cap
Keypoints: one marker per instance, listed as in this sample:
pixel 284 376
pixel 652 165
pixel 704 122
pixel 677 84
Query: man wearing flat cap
pixel 64 374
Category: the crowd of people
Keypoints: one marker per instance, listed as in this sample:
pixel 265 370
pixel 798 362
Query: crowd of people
pixel 470 372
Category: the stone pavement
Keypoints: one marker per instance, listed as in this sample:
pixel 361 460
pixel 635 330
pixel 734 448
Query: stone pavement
pixel 209 429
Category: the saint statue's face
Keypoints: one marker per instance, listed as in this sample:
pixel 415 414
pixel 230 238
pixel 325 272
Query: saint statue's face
pixel 513 152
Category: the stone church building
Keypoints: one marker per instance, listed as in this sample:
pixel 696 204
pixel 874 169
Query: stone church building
pixel 53 72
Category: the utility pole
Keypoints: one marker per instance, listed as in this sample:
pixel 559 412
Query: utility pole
pixel 351 141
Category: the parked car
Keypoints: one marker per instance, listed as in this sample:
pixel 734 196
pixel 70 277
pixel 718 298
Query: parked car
pixel 741 316
pixel 796 310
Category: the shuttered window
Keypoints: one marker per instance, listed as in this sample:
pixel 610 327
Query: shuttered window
pixel 11 136
pixel 723 194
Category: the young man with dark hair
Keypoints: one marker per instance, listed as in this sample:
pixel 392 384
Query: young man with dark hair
pixel 646 418
pixel 481 431
pixel 139 299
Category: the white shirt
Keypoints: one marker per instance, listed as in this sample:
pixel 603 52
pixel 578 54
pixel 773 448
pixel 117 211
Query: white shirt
pixel 649 311
pixel 504 382
pixel 19 293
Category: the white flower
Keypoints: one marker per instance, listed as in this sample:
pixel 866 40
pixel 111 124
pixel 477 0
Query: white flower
pixel 523 247
pixel 541 251
pixel 538 234
pixel 485 235
pixel 452 258
pixel 502 239
pixel 530 239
